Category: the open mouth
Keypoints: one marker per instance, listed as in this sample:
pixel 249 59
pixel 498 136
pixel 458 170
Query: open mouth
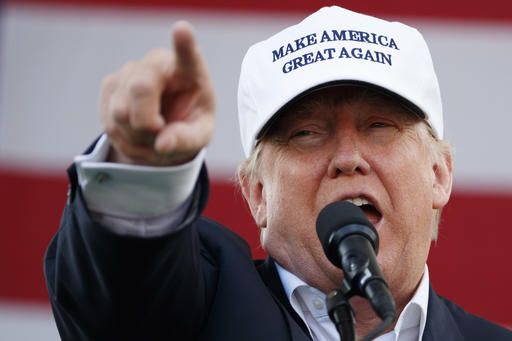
pixel 370 211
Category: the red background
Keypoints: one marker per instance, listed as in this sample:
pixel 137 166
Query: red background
pixel 469 263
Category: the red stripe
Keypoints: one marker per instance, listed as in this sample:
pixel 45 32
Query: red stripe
pixel 30 206
pixel 471 259
pixel 457 9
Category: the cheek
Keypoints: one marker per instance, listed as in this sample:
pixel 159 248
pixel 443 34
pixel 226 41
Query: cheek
pixel 411 197
pixel 291 193
pixel 405 239
pixel 286 200
pixel 407 174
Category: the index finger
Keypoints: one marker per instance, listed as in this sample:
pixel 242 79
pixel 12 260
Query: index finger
pixel 189 61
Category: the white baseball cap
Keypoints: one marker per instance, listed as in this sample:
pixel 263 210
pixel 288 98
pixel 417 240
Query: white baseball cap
pixel 330 47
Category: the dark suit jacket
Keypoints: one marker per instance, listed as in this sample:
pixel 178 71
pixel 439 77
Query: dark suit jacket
pixel 198 283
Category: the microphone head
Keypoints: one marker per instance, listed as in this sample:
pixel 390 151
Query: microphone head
pixel 338 220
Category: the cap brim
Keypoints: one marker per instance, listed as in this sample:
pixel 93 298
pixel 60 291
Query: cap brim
pixel 414 109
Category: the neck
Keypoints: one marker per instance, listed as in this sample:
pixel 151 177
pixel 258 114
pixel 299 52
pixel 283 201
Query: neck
pixel 367 320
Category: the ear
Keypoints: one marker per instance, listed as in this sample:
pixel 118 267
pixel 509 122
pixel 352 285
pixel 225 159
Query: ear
pixel 254 193
pixel 443 178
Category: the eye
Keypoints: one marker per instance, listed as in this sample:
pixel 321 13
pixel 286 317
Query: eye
pixel 379 125
pixel 307 137
pixel 381 129
pixel 302 133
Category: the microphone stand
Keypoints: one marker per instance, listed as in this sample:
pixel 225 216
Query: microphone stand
pixel 341 314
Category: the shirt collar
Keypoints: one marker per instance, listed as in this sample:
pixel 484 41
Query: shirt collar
pixel 298 293
pixel 290 281
pixel 414 314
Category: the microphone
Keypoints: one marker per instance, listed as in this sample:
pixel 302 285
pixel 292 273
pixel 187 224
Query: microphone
pixel 351 243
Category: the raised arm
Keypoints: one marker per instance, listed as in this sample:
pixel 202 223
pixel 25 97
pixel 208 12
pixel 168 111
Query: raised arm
pixel 158 111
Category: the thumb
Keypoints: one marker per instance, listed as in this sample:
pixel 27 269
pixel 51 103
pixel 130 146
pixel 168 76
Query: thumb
pixel 185 137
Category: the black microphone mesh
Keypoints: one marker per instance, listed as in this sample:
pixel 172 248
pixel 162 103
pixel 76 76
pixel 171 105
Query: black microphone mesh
pixel 336 215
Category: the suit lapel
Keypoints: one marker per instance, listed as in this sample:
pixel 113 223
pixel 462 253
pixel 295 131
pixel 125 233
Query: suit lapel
pixel 268 272
pixel 440 325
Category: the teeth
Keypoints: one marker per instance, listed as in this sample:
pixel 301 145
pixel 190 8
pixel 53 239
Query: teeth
pixel 358 201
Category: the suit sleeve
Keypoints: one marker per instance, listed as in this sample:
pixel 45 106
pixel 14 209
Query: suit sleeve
pixel 104 286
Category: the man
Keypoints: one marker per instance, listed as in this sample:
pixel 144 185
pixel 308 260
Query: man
pixel 341 106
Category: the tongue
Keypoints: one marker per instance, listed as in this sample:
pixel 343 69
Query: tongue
pixel 371 213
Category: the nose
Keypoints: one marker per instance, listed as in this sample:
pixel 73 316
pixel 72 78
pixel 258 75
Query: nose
pixel 346 157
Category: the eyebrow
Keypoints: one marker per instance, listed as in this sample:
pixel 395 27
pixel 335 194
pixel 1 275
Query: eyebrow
pixel 306 108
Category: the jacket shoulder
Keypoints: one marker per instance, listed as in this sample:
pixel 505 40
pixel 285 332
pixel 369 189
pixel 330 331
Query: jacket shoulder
pixel 476 327
pixel 445 318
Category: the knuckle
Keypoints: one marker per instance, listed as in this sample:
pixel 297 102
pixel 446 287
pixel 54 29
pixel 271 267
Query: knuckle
pixel 139 123
pixel 118 110
pixel 160 62
pixel 140 87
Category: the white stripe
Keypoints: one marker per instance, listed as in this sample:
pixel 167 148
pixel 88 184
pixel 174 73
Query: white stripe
pixel 21 322
pixel 52 63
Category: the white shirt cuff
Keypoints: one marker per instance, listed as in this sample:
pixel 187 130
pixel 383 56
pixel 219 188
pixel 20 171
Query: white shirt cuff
pixel 134 199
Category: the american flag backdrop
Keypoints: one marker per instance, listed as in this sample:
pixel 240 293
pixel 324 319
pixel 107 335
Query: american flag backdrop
pixel 54 54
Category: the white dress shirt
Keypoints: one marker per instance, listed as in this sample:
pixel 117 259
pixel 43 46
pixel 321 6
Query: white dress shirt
pixel 150 201
pixel 309 303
